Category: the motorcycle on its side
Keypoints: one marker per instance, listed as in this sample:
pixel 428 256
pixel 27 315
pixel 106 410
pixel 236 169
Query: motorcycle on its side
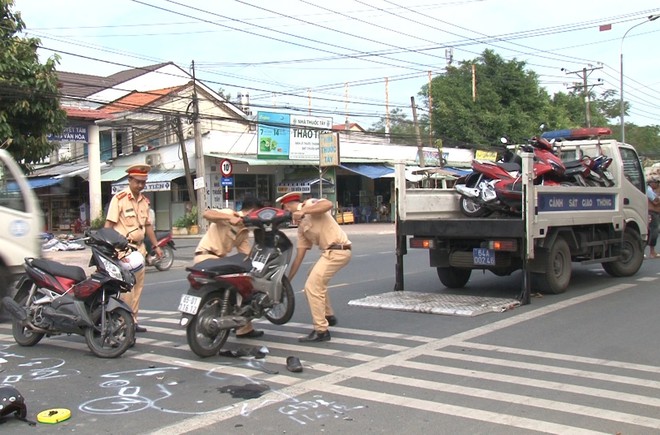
pixel 53 298
pixel 166 244
pixel 226 293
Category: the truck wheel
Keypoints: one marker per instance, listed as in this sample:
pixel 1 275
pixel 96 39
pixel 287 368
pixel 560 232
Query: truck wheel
pixel 632 256
pixel 557 267
pixel 4 291
pixel 453 277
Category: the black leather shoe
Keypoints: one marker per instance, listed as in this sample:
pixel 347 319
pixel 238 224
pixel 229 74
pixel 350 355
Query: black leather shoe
pixel 252 334
pixel 332 320
pixel 139 328
pixel 315 336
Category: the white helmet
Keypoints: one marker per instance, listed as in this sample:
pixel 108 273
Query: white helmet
pixel 133 262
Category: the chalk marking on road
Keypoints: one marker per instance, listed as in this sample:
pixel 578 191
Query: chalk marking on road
pixel 402 358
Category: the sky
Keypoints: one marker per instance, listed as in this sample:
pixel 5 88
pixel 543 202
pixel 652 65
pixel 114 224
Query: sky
pixel 356 58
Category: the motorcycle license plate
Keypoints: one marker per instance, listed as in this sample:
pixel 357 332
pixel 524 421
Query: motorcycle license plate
pixel 483 256
pixel 189 304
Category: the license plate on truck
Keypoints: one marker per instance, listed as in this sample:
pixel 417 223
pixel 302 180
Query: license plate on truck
pixel 189 304
pixel 483 256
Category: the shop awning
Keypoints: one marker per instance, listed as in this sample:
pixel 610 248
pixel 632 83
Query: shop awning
pixel 159 180
pixel 114 174
pixel 368 170
pixel 35 183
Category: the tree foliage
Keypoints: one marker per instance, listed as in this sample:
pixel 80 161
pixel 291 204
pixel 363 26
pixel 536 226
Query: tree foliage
pixel 29 96
pixel 507 100
pixel 402 129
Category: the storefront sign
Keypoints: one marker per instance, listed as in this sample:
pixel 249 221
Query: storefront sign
pixel 156 186
pixel 284 136
pixel 329 149
pixel 70 134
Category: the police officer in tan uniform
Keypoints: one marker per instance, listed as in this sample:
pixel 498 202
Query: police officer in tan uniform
pixel 316 226
pixel 128 214
pixel 225 233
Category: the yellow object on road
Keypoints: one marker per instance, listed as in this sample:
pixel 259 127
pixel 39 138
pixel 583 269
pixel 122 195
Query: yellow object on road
pixel 52 416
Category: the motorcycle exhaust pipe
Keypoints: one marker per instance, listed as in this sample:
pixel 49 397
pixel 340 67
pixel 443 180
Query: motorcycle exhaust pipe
pixel 16 311
pixel 467 191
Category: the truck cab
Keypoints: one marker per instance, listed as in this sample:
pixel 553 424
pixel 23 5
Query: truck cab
pixel 21 222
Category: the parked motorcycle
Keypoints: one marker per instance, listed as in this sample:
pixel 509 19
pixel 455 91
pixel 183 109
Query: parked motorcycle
pixel 166 244
pixel 54 298
pixel 226 293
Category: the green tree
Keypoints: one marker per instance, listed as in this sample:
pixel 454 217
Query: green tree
pixel 29 96
pixel 402 129
pixel 507 101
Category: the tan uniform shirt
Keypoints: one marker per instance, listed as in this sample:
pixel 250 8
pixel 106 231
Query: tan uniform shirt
pixel 221 238
pixel 130 215
pixel 321 230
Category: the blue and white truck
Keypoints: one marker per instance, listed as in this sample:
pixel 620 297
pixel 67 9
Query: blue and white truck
pixel 559 225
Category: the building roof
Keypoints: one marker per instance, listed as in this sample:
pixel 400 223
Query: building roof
pixel 348 127
pixel 83 85
pixel 136 99
pixel 92 114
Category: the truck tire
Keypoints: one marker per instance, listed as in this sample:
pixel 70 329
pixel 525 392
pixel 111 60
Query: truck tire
pixel 557 267
pixel 4 291
pixel 632 256
pixel 453 277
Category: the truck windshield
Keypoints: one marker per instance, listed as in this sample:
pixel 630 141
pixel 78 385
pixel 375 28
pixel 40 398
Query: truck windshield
pixel 10 193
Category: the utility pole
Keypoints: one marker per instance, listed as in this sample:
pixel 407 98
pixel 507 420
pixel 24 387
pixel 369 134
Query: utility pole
pixel 199 157
pixel 186 163
pixel 420 150
pixel 586 88
pixel 430 111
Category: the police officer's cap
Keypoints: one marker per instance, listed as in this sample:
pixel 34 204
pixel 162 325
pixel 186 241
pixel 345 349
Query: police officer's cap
pixel 139 171
pixel 289 197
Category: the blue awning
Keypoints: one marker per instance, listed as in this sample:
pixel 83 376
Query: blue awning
pixel 367 170
pixel 36 183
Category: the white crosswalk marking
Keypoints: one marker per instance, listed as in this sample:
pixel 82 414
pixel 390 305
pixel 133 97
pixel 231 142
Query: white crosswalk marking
pixel 558 393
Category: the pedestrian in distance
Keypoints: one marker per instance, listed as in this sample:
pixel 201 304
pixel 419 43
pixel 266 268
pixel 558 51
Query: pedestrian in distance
pixel 316 226
pixel 653 195
pixel 226 232
pixel 128 214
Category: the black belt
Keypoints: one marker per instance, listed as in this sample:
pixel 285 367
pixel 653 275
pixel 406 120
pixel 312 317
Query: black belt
pixel 339 247
pixel 205 253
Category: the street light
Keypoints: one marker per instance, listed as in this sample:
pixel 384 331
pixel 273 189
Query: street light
pixel 623 125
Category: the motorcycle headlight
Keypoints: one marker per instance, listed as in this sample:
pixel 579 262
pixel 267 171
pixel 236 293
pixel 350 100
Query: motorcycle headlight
pixel 111 268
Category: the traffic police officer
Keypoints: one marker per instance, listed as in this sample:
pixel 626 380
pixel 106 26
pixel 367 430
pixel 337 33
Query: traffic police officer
pixel 316 226
pixel 225 233
pixel 128 214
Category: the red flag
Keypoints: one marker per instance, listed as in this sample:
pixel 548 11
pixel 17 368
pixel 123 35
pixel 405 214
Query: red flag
pixel 605 27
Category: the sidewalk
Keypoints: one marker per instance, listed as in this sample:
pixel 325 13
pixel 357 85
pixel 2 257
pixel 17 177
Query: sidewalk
pixel 81 257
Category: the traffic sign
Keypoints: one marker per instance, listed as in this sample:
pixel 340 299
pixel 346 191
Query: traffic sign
pixel 227 181
pixel 226 168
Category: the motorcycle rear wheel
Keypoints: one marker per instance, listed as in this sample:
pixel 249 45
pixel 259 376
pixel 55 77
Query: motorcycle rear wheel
pixel 119 334
pixel 22 334
pixel 166 261
pixel 203 337
pixel 471 208
pixel 283 309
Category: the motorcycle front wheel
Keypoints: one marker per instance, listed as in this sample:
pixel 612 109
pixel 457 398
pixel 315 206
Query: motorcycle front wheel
pixel 118 336
pixel 204 337
pixel 166 261
pixel 283 309
pixel 23 335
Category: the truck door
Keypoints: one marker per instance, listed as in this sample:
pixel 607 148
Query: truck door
pixel 21 220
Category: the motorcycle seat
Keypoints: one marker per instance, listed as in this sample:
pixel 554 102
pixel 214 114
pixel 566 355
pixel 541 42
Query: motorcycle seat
pixel 161 234
pixel 237 263
pixel 509 166
pixel 75 273
pixel 573 164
